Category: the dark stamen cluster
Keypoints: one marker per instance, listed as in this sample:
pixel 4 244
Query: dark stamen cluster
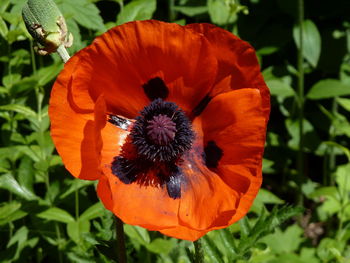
pixel 159 137
pixel 162 133
pixel 161 130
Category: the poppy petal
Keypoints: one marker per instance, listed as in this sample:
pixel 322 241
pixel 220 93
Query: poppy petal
pixel 239 131
pixel 236 58
pixel 243 180
pixel 144 205
pixel 73 127
pixel 182 232
pixel 128 56
pixel 205 197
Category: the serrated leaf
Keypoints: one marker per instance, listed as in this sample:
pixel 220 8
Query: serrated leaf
pixel 328 88
pixel 211 251
pixel 8 182
pixel 84 13
pixel 56 214
pixel 342 177
pixel 77 228
pixel 92 212
pixel 290 238
pixel 311 41
pixel 137 10
pixel 228 242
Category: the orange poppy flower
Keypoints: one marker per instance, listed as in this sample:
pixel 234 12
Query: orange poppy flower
pixel 170 119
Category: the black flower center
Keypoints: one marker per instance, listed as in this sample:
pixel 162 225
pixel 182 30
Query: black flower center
pixel 158 139
pixel 161 130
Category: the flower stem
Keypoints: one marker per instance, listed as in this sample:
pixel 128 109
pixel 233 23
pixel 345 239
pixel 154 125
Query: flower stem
pixel 120 241
pixel 62 52
pixel 198 251
pixel 300 159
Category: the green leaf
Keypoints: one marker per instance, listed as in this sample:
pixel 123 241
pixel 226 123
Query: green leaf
pixel 77 228
pixel 3 5
pixel 19 237
pixel 137 10
pixel 345 103
pixel 224 12
pixel 19 109
pixel 328 88
pixel 137 233
pixel 219 12
pixel 47 74
pixel 75 185
pixel 228 242
pixel 280 89
pixel 83 12
pixel 92 212
pixel 26 173
pixel 191 10
pixel 3 28
pixel 8 182
pixel 56 214
pixel 311 41
pixel 161 246
pixel 10 212
pixel 342 177
pixel 291 239
pixel 211 251
pixel 267 197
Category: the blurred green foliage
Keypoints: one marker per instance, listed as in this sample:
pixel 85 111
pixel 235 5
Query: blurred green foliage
pixel 47 216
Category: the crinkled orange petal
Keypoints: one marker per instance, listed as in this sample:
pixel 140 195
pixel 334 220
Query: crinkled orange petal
pixel 236 58
pixel 73 127
pixel 240 126
pixel 205 198
pixel 239 131
pixel 146 206
pixel 126 57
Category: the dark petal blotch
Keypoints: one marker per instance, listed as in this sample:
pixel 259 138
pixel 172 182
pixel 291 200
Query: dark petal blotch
pixel 173 183
pixel 213 154
pixel 125 169
pixel 155 88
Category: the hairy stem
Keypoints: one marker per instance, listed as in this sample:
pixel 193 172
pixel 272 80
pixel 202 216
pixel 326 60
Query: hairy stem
pixel 120 241
pixel 62 52
pixel 198 251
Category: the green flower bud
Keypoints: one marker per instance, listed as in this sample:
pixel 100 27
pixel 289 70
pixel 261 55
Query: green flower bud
pixel 46 24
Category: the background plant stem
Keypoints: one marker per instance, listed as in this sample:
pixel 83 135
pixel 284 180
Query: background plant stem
pixel 198 251
pixel 120 241
pixel 300 158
